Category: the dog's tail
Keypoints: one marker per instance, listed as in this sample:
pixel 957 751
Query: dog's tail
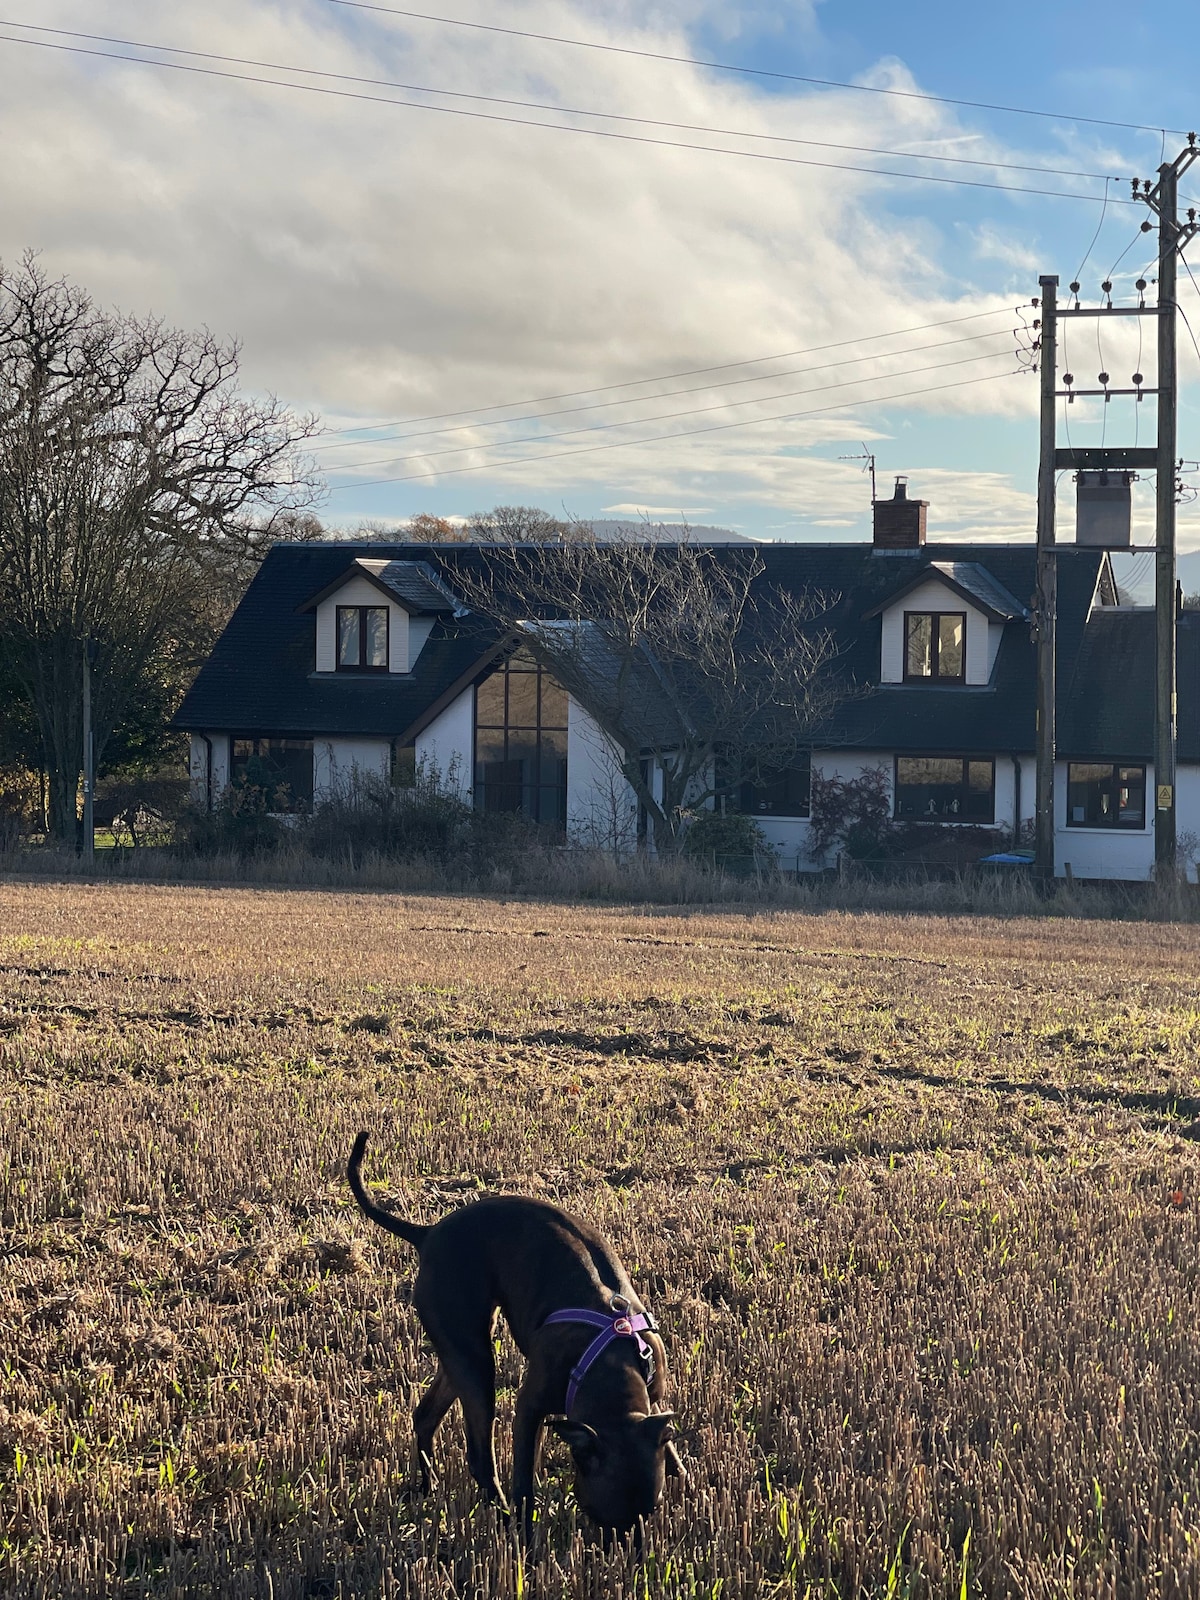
pixel 413 1232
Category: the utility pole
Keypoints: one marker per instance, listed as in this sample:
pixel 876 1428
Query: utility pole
pixel 1047 584
pixel 1173 236
pixel 89 763
pixel 1163 199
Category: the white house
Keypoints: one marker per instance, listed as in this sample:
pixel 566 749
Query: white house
pixel 349 659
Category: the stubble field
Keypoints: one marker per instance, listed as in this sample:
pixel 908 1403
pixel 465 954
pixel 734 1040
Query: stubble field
pixel 915 1201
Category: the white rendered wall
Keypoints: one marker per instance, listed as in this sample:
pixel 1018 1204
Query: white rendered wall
pixel 936 596
pixel 1187 819
pixel 1121 853
pixel 447 746
pixel 203 784
pixel 361 592
pixel 602 808
pixel 339 763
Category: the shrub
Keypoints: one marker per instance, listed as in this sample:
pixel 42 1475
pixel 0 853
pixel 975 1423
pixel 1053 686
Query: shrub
pixel 241 823
pixel 856 812
pixel 727 840
pixel 421 819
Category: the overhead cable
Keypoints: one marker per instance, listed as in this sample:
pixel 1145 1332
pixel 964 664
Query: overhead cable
pixel 687 433
pixel 688 372
pixel 669 416
pixel 753 72
pixel 701 388
pixel 560 110
pixel 551 127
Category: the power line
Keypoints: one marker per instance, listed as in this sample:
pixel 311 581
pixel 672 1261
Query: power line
pixel 754 72
pixel 566 411
pixel 687 433
pixel 688 372
pixel 666 416
pixel 559 110
pixel 552 127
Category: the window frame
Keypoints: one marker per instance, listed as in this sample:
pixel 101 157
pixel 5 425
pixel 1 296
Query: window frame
pixel 1115 768
pixel 742 792
pixel 362 665
pixel 966 762
pixel 300 797
pixel 935 676
pixel 542 734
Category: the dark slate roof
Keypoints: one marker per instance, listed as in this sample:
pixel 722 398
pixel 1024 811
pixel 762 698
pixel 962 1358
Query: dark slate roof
pixel 969 579
pixel 1108 711
pixel 415 584
pixel 260 679
pixel 646 710
pixel 975 580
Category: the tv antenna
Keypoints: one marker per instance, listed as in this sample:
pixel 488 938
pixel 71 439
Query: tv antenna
pixel 868 459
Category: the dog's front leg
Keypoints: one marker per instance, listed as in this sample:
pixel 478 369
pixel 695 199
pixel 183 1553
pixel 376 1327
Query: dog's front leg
pixel 527 1449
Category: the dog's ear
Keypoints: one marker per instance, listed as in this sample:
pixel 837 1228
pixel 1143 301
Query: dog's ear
pixel 659 1428
pixel 582 1439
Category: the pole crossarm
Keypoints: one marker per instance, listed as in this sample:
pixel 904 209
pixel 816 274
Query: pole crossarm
pixel 1111 458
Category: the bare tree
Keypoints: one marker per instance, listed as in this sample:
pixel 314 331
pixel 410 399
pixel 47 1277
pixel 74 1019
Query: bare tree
pixel 136 485
pixel 693 664
pixel 520 525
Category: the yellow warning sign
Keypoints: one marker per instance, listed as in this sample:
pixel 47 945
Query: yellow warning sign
pixel 1166 796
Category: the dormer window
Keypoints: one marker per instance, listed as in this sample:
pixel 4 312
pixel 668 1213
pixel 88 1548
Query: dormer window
pixel 934 646
pixel 362 638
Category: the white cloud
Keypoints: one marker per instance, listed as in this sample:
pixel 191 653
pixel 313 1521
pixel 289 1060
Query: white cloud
pixel 379 262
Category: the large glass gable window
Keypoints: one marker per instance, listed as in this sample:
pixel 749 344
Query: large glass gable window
pixel 785 792
pixel 521 742
pixel 281 768
pixel 934 646
pixel 362 638
pixel 945 789
pixel 1104 795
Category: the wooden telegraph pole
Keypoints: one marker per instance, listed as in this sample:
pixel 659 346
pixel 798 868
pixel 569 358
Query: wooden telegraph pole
pixel 1046 600
pixel 89 763
pixel 1172 237
pixel 1163 199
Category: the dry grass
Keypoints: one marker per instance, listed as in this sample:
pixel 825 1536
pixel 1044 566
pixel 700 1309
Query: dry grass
pixel 915 1199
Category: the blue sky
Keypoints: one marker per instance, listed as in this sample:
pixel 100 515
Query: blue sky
pixel 382 265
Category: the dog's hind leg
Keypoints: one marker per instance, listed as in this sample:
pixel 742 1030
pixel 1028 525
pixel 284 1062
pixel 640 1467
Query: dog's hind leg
pixel 433 1406
pixel 468 1367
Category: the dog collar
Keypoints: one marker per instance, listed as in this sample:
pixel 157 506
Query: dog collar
pixel 619 1322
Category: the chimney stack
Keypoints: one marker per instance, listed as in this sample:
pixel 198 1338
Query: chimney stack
pixel 899 522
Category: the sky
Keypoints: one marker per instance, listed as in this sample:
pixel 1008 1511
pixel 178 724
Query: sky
pixel 481 311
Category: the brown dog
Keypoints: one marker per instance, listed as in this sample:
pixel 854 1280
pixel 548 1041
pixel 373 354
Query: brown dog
pixel 594 1356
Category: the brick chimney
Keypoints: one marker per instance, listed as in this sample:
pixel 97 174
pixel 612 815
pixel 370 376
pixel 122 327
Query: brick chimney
pixel 900 522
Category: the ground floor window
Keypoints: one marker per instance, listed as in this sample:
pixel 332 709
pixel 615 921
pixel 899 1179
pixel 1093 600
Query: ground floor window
pixel 281 768
pixel 521 742
pixel 1103 795
pixel 784 792
pixel 945 789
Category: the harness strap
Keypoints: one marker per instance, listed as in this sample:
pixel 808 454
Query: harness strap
pixel 619 1323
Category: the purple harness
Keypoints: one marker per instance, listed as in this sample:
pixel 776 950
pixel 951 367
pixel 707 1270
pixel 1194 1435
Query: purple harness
pixel 618 1323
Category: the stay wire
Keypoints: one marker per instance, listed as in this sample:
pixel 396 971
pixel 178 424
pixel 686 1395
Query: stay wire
pixel 687 433
pixel 702 388
pixel 554 127
pixel 666 416
pixel 557 110
pixel 754 72
pixel 688 372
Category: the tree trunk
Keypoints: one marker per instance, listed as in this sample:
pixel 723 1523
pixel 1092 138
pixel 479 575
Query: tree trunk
pixel 64 803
